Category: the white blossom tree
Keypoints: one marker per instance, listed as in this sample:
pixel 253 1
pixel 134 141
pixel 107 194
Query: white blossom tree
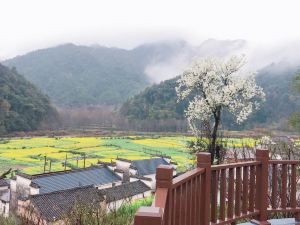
pixel 216 85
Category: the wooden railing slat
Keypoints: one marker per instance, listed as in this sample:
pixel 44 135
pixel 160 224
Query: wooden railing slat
pixel 284 186
pixel 245 189
pixel 293 186
pixel 222 195
pixel 198 202
pixel 214 193
pixel 274 186
pixel 230 193
pixel 252 189
pixel 238 192
pixel 177 214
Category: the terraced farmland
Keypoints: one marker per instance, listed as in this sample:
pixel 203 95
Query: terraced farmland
pixel 28 154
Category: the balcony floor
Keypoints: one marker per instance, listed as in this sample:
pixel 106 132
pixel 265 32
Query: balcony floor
pixel 290 221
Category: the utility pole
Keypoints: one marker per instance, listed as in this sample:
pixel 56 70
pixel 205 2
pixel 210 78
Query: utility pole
pixel 84 160
pixel 50 166
pixel 45 157
pixel 66 162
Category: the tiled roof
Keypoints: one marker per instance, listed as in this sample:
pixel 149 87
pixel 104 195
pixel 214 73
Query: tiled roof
pixel 56 205
pixel 148 166
pixel 107 163
pixel 76 178
pixel 141 178
pixel 125 190
pixel 3 183
pixel 34 185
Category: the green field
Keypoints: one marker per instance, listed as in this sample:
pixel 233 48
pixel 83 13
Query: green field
pixel 28 154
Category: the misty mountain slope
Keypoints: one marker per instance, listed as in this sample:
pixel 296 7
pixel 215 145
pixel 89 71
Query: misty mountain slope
pixel 77 75
pixel 74 75
pixel 160 101
pixel 23 107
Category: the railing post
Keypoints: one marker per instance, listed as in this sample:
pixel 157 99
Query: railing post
pixel 148 216
pixel 164 176
pixel 163 196
pixel 204 161
pixel 262 180
pixel 157 214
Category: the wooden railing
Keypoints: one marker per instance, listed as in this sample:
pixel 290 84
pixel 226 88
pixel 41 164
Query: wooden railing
pixel 283 187
pixel 223 194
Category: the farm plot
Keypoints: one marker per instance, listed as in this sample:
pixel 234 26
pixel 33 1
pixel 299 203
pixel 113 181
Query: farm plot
pixel 30 154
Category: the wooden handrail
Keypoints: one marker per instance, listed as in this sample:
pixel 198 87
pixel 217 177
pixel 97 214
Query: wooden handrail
pixel 290 162
pixel 235 165
pixel 223 194
pixel 187 176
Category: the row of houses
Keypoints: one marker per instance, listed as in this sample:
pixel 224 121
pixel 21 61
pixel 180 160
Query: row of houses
pixel 47 198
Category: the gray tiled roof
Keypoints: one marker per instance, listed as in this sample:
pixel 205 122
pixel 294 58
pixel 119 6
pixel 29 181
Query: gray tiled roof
pixel 77 178
pixel 57 205
pixel 124 191
pixel 3 183
pixel 148 166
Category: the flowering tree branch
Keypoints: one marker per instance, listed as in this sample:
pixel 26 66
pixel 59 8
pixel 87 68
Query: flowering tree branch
pixel 215 85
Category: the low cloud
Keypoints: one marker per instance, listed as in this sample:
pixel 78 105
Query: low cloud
pixel 258 56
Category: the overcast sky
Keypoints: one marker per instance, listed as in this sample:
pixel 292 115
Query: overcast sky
pixel 26 25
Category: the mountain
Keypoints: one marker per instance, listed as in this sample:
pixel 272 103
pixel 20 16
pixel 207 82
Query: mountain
pixel 77 75
pixel 23 107
pixel 73 75
pixel 156 102
pixel 159 102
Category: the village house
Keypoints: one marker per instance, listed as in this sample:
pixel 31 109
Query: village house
pixel 118 195
pixel 24 185
pixel 4 197
pixel 117 182
pixel 99 176
pixel 144 170
pixel 55 207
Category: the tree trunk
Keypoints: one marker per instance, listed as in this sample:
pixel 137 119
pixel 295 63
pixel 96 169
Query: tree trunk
pixel 217 117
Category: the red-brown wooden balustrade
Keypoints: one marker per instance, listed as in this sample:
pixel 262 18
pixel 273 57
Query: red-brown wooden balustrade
pixel 223 194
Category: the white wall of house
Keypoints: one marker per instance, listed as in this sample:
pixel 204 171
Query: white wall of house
pixel 167 160
pixel 34 191
pixel 4 208
pixel 122 165
pixel 133 172
pixel 13 185
pixel 23 185
pixel 152 183
pixel 4 201
pixel 4 188
pixel 119 174
pixel 109 185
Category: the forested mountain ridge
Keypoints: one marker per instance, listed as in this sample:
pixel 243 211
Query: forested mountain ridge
pixel 73 75
pixel 22 106
pixel 159 101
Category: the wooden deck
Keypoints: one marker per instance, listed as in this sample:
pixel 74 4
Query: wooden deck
pixel 225 194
